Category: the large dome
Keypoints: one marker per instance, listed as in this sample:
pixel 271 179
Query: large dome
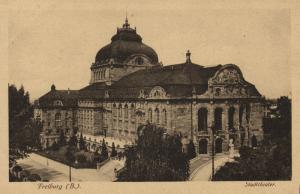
pixel 123 45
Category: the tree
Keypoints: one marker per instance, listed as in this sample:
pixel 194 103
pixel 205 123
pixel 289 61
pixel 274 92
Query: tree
pixel 191 152
pixel 55 146
pixel 81 142
pixel 104 151
pixel 73 141
pixel 156 157
pixel 81 158
pixel 24 132
pixel 113 150
pixel 62 138
pixel 271 160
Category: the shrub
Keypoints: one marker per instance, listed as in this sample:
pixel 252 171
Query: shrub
pixel 113 150
pixel 55 146
pixel 81 158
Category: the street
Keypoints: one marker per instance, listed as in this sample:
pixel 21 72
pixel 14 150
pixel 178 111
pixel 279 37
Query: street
pixel 204 171
pixel 54 171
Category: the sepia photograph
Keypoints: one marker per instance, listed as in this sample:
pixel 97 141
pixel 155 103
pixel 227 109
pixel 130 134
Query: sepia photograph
pixel 134 93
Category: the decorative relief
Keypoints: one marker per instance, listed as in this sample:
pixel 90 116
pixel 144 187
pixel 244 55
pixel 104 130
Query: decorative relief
pixel 227 83
pixel 227 76
pixel 230 90
pixel 157 93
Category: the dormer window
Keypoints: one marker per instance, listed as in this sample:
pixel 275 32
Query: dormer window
pixel 142 93
pixel 139 60
pixel 57 103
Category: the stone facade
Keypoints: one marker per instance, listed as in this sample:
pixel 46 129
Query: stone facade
pixel 134 89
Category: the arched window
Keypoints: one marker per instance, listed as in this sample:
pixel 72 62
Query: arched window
pixel 114 110
pixel 126 111
pixel 103 73
pixel 241 115
pixel 164 117
pixel 231 111
pixel 202 119
pixel 157 116
pixel 150 115
pixel 120 111
pixel 132 112
pixel 218 118
pixel 57 120
pixel 48 119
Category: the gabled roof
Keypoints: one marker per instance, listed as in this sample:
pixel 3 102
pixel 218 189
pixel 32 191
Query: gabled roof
pixel 68 98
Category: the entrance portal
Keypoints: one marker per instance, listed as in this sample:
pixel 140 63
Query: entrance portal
pixel 254 141
pixel 203 146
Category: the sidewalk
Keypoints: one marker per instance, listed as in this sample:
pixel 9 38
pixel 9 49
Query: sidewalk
pixel 203 172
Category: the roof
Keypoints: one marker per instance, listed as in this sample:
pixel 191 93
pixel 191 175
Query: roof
pixel 179 74
pixel 67 97
pixel 179 81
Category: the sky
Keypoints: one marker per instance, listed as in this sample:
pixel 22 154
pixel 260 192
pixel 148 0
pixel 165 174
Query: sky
pixel 51 44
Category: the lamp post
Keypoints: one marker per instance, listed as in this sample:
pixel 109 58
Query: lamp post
pixel 212 153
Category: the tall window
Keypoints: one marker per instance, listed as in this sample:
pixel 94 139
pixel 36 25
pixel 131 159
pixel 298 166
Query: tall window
pixel 218 118
pixel 126 111
pixel 241 115
pixel 48 119
pixel 57 120
pixel 202 119
pixel 114 110
pixel 164 117
pixel 132 112
pixel 120 111
pixel 150 115
pixel 231 111
pixel 156 116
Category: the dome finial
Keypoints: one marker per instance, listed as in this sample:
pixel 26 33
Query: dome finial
pixel 188 56
pixel 53 88
pixel 126 24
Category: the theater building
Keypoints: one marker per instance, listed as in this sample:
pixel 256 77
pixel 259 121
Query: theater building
pixel 129 87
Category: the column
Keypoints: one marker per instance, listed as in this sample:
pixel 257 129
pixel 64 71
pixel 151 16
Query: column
pixel 210 122
pixel 236 125
pixel 225 127
pixel 246 127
